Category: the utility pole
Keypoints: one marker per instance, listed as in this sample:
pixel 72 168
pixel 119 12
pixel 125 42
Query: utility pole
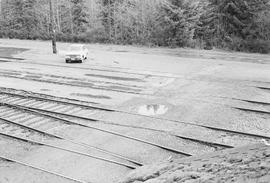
pixel 52 28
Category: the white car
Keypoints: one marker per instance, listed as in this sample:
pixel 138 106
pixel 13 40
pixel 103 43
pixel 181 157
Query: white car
pixel 76 53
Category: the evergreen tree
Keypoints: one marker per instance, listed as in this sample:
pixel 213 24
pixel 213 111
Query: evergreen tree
pixel 227 21
pixel 107 16
pixel 20 17
pixel 235 24
pixel 16 15
pixel 178 22
pixel 29 18
pixel 79 16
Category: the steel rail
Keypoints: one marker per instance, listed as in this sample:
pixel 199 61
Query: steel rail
pixel 67 150
pixel 262 87
pixel 72 141
pixel 252 110
pixel 159 118
pixel 99 129
pixel 41 169
pixel 244 100
pixel 253 101
pixel 241 108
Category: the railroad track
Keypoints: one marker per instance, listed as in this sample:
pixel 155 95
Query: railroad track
pixel 212 144
pixel 62 106
pixel 30 118
pixel 13 123
pixel 23 133
pixel 30 128
pixel 19 112
pixel 23 101
pixel 65 117
pixel 11 109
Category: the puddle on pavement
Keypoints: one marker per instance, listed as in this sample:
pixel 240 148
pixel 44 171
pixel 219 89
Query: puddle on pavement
pixel 153 109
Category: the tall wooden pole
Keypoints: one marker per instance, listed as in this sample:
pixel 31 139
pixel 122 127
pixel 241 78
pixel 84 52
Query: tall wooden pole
pixel 52 27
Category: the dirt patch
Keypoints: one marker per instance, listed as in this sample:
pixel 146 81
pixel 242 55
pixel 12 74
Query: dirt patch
pixel 45 90
pixel 28 68
pixel 61 80
pixel 10 51
pixel 33 76
pixel 91 96
pixel 123 88
pixel 114 77
pixel 124 51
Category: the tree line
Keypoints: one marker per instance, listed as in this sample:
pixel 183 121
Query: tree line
pixel 242 25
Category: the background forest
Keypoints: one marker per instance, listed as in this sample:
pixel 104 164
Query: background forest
pixel 241 25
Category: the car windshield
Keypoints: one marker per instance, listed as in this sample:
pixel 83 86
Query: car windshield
pixel 75 48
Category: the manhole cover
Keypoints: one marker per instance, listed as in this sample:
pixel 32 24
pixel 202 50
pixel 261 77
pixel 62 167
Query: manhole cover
pixel 153 109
